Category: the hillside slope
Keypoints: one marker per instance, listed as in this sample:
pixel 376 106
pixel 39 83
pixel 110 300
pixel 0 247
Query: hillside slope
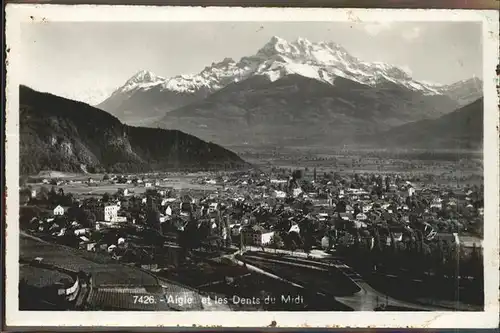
pixel 461 129
pixel 295 110
pixel 64 135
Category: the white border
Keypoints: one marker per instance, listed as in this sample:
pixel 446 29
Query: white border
pixel 15 14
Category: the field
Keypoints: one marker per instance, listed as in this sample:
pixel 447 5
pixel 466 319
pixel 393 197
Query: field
pixel 105 271
pixel 42 277
pixel 447 167
pixel 79 186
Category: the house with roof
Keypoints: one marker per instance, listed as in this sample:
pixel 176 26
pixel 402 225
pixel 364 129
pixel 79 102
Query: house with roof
pixel 58 210
pixel 411 191
pixel 436 203
pixel 297 192
pixel 349 209
pixel 366 208
pixel 256 235
pixel 346 216
pixel 361 217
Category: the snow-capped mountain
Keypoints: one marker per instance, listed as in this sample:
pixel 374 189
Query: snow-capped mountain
pixel 143 79
pixel 464 91
pixel 146 95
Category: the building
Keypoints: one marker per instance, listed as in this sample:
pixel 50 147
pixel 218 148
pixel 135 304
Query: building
pixel 58 211
pixel 256 235
pixel 111 213
pixel 361 217
pixel 325 242
pixel 235 229
pixel 279 194
pixel 103 212
pixel 294 228
pixel 437 203
pixel 121 219
pixel 296 192
pixel 214 206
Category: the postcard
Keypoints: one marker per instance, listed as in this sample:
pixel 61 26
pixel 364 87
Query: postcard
pixel 251 167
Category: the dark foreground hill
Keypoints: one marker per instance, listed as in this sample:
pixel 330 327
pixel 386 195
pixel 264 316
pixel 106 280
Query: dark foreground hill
pixel 65 135
pixel 461 129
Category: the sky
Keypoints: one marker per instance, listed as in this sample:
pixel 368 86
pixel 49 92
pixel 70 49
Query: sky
pixel 87 61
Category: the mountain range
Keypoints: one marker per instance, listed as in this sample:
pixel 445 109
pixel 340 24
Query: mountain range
pixel 296 92
pixel 65 135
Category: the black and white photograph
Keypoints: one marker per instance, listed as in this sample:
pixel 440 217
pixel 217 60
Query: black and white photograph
pixel 253 165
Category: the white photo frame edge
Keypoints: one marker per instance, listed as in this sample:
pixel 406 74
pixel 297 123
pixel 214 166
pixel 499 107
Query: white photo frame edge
pixel 17 13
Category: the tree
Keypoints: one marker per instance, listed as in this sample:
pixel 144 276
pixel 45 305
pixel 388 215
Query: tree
pixel 43 194
pixel 105 177
pixel 53 196
pixel 106 197
pixel 341 207
pixel 23 180
pixel 189 237
pixel 24 196
pixel 387 183
pixel 153 219
pixel 276 241
pixel 86 218
pixel 297 174
pixel 293 246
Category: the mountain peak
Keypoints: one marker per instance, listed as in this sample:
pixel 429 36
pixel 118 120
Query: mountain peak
pixel 303 41
pixel 277 40
pixel 145 76
pixel 324 61
pixel 275 45
pixel 221 64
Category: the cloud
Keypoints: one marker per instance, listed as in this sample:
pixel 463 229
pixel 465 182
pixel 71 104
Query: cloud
pixel 377 27
pixel 411 34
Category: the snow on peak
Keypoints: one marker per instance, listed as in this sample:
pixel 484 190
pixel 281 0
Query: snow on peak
pixel 323 61
pixel 275 46
pixel 142 79
pixel 145 76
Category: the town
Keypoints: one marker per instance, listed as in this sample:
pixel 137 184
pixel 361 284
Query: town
pixel 221 229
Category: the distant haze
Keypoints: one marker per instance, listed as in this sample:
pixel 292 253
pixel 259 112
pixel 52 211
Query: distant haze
pixel 87 61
